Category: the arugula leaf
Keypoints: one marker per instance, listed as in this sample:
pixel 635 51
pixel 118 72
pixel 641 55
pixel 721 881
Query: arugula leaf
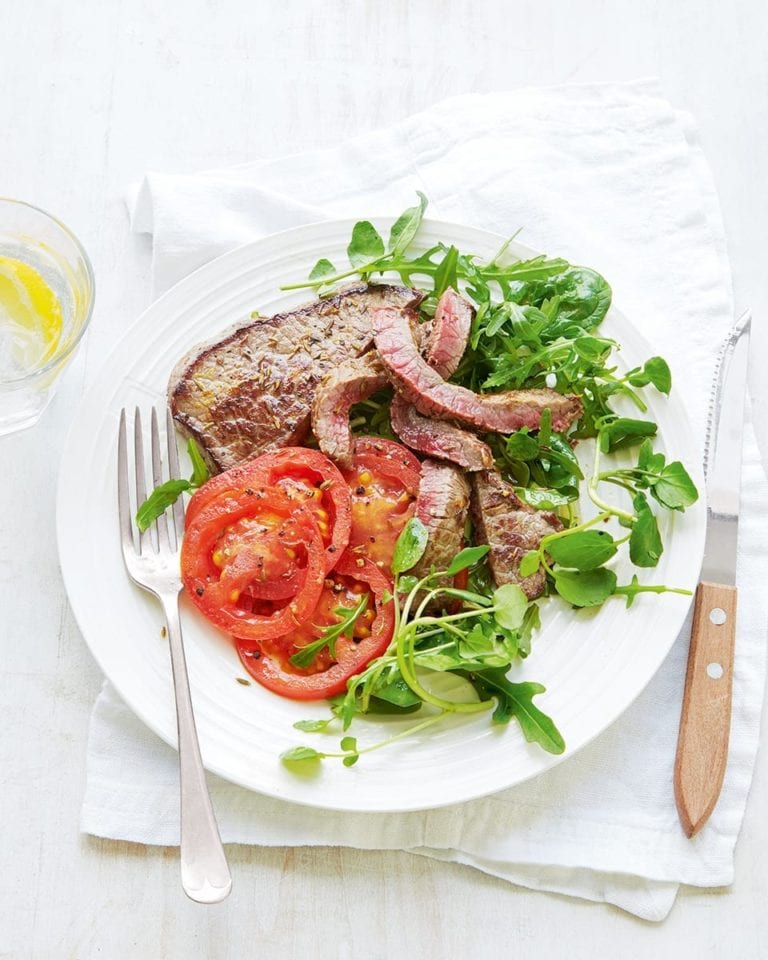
pixel 200 472
pixel 158 502
pixel 305 657
pixel 466 558
pixel 366 246
pixel 674 489
pixel 584 550
pixel 645 546
pixel 410 546
pixel 405 228
pixel 516 700
pixel 588 588
pixel 446 275
pixel 169 492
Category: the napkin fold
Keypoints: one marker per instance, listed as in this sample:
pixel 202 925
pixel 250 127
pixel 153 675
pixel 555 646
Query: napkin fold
pixel 604 174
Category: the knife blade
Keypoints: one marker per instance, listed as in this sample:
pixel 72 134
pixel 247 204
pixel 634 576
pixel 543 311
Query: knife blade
pixel 702 746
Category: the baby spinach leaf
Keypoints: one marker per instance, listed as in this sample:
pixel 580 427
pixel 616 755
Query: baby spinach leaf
pixel 410 546
pixel 584 550
pixel 658 372
pixel 588 588
pixel 521 446
pixel 366 245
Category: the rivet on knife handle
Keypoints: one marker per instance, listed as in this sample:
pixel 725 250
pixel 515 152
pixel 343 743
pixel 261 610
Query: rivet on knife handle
pixel 705 722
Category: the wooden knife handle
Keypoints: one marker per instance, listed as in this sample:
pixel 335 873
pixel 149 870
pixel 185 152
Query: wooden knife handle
pixel 705 721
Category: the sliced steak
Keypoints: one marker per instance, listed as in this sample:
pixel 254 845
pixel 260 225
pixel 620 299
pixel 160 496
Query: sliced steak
pixel 442 507
pixel 449 333
pixel 438 438
pixel 349 383
pixel 443 349
pixel 432 396
pixel 511 528
pixel 252 389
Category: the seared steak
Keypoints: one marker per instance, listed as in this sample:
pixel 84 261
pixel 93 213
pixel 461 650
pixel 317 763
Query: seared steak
pixel 442 507
pixel 252 389
pixel 349 383
pixel 432 396
pixel 438 438
pixel 511 528
pixel 449 333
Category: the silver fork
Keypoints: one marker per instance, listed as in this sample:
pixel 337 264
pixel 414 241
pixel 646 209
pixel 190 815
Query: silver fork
pixel 154 565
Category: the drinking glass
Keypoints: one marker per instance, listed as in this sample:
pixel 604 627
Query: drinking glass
pixel 46 280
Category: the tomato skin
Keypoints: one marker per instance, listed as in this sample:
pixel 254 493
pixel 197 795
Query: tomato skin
pixel 391 449
pixel 217 592
pixel 272 670
pixel 305 476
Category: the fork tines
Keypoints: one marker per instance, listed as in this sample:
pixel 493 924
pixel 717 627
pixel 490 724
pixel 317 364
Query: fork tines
pixel 165 534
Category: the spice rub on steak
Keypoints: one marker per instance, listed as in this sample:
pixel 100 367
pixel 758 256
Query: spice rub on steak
pixel 511 528
pixel 432 396
pixel 252 389
pixel 442 507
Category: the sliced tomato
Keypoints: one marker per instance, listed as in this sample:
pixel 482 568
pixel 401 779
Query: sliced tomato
pixel 383 486
pixel 253 562
pixel 269 661
pixel 305 476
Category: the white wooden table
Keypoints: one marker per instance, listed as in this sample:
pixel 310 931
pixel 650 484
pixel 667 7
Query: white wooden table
pixel 92 94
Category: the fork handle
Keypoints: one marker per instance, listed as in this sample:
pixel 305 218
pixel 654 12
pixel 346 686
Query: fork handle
pixel 205 874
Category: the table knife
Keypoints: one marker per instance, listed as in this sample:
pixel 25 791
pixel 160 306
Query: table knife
pixel 702 746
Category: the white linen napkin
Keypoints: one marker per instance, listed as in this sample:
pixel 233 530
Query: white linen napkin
pixel 608 175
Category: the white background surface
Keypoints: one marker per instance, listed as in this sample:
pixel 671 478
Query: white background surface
pixel 91 95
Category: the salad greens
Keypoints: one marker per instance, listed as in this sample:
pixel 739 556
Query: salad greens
pixel 166 494
pixel 536 325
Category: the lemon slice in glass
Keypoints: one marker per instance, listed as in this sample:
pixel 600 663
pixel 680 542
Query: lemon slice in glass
pixel 30 314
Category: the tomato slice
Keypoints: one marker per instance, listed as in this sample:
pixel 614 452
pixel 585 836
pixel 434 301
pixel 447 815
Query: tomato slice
pixel 239 544
pixel 269 661
pixel 305 476
pixel 383 486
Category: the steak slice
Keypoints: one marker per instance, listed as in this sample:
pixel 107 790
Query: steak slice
pixel 252 389
pixel 449 333
pixel 438 438
pixel 442 507
pixel 349 383
pixel 511 528
pixel 432 396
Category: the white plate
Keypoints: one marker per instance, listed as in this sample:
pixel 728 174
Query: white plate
pixel 593 664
